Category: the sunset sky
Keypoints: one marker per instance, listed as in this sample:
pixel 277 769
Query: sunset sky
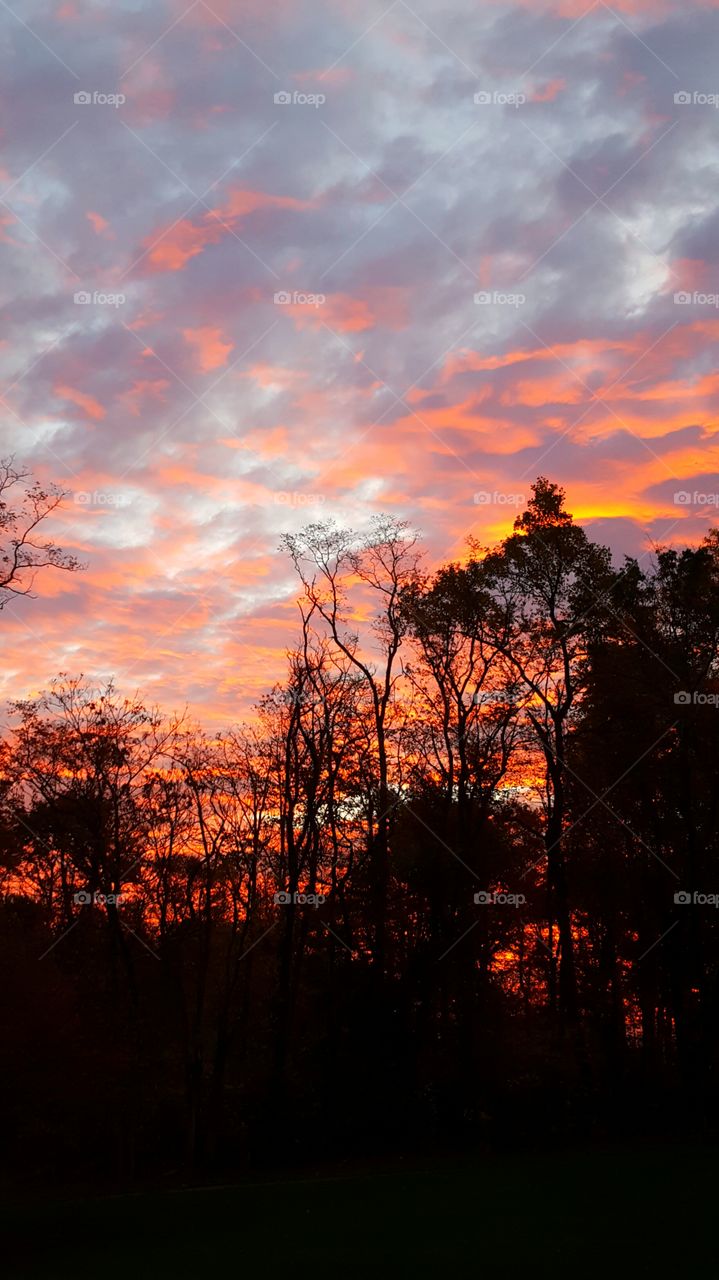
pixel 559 160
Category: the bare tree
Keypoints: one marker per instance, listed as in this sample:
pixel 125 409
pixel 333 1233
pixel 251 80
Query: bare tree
pixel 23 551
pixel 382 563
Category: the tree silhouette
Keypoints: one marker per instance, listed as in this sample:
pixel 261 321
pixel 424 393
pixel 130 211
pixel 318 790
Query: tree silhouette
pixel 456 877
pixel 23 510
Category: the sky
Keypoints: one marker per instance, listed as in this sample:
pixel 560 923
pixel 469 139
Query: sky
pixel 270 263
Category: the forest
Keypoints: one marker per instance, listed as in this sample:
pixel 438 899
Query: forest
pixel 455 882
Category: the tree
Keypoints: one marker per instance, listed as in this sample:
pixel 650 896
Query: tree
pixel 383 562
pixel 647 733
pixel 551 583
pixel 298 935
pixel 22 550
pixel 81 759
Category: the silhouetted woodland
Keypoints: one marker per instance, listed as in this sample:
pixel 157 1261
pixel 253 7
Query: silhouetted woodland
pixel 456 881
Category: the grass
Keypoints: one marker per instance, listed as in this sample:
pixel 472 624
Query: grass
pixel 626 1211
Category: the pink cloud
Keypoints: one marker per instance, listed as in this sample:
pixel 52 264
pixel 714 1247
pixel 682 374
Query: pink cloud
pixel 210 351
pixel 92 407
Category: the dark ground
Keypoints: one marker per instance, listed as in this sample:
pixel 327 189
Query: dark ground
pixel 644 1210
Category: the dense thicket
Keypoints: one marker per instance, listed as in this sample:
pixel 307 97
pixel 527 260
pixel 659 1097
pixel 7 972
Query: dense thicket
pixel 435 890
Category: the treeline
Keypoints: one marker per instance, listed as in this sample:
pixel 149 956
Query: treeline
pixel 457 879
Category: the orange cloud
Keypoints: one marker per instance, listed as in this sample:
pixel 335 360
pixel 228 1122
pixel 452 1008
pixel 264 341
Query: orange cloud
pixel 381 305
pixel 92 407
pixel 553 388
pixel 548 91
pixel 689 273
pixel 585 354
pixel 172 249
pixel 241 202
pixel 141 391
pixel 146 318
pixel 340 311
pixel 212 352
pixel 578 8
pixel 99 224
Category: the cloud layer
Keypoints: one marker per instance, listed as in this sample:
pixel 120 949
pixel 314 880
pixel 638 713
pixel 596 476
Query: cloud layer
pixel 268 263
